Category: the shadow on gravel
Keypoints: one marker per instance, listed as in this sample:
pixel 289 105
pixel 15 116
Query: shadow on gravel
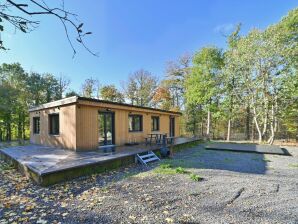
pixel 199 158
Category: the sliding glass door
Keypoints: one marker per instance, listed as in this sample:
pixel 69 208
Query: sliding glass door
pixel 106 128
pixel 172 126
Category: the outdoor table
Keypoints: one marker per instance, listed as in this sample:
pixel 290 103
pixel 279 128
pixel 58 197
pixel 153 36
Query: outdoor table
pixel 157 136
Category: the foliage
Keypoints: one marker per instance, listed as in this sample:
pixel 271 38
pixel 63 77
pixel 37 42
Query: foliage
pixel 195 177
pixel 140 87
pixel 18 92
pixel 202 84
pixel 176 73
pixel 71 93
pixel 90 88
pixel 181 170
pixel 110 92
pixel 250 86
pixel 162 98
pixel 167 168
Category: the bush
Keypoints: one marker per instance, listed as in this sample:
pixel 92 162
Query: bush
pixel 195 177
pixel 181 170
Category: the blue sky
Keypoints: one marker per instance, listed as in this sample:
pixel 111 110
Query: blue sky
pixel 135 34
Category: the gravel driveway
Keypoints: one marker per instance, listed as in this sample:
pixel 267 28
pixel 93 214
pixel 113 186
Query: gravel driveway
pixel 236 188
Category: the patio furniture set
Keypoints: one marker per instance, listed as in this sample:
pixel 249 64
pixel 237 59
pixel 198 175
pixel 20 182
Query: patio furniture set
pixel 157 138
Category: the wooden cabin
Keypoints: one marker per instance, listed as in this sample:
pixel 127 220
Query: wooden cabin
pixel 80 123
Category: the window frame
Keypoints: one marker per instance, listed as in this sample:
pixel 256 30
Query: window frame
pixel 152 123
pixel 133 116
pixel 35 132
pixel 50 117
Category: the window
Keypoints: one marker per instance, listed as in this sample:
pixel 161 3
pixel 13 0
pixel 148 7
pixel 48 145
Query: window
pixel 135 123
pixel 54 124
pixel 36 125
pixel 154 123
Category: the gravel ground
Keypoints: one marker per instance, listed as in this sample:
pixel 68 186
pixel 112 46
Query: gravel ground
pixel 236 188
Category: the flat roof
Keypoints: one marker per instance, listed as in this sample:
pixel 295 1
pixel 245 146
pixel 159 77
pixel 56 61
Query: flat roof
pixel 76 99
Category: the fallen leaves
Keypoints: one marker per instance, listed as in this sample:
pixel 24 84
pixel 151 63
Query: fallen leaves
pixel 169 220
pixel 24 202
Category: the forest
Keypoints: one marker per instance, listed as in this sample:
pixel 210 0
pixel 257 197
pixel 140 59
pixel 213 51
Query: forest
pixel 246 91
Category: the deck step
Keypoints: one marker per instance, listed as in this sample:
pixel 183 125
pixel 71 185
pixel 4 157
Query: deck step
pixel 146 158
pixel 147 155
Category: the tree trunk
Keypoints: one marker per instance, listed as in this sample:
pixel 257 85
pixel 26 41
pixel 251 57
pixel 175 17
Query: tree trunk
pixel 253 132
pixel 273 125
pixel 208 123
pixel 202 128
pixel 247 131
pixel 259 130
pixel 24 126
pixel 8 131
pixel 229 130
pixel 265 119
pixel 19 126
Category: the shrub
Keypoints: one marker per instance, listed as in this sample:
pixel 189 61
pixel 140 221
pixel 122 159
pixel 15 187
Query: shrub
pixel 195 177
pixel 181 170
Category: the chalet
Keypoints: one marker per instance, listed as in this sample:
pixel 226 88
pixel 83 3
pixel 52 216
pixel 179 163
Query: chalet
pixel 80 123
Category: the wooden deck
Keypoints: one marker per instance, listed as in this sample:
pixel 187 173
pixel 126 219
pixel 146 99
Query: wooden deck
pixel 48 165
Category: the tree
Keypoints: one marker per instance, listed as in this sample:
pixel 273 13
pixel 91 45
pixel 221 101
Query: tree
pixel 18 92
pixel 71 93
pixel 140 87
pixel 162 98
pixel 202 84
pixel 90 88
pixel 51 87
pixel 110 92
pixel 13 100
pixel 176 73
pixel 260 63
pixel 229 84
pixel 23 17
pixel 63 84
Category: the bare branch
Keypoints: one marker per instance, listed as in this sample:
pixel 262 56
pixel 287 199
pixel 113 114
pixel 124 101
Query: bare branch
pixel 27 25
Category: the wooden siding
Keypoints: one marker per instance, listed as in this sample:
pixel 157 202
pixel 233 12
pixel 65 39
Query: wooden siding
pixel 79 125
pixel 87 128
pixel 87 125
pixel 67 136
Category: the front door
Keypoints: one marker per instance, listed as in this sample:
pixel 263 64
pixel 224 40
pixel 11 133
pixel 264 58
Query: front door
pixel 172 126
pixel 106 128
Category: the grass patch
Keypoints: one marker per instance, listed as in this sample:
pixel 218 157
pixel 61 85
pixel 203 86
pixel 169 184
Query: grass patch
pixel 165 166
pixel 195 177
pixel 5 166
pixel 169 169
pixel 181 170
pixel 293 165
